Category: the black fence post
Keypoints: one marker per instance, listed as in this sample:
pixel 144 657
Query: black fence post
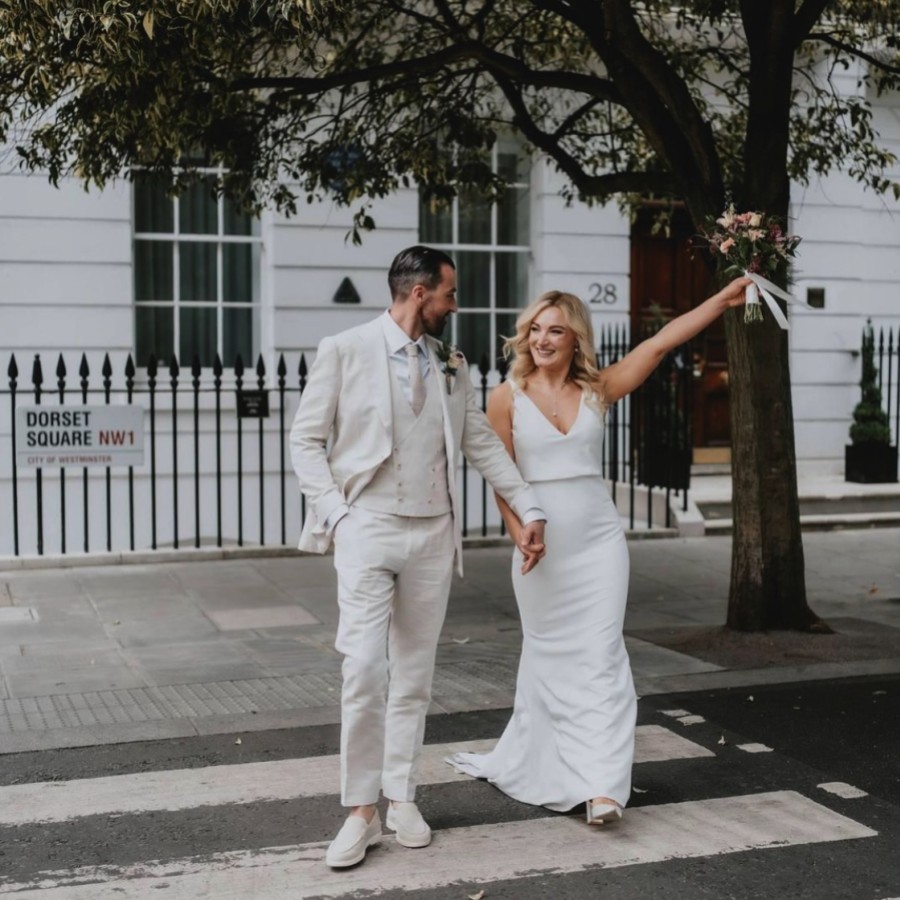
pixel 239 389
pixel 195 384
pixel 282 381
pixel 302 372
pixel 173 381
pixel 129 389
pixel 151 388
pixel 12 372
pixel 84 371
pixel 484 367
pixel 261 384
pixel 107 387
pixel 37 379
pixel 217 387
pixel 503 370
pixel 61 387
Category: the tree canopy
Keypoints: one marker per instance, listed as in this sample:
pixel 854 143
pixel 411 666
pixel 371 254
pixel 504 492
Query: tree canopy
pixel 306 98
pixel 702 101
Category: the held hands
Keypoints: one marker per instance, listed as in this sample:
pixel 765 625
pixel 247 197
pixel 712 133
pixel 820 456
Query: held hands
pixel 530 541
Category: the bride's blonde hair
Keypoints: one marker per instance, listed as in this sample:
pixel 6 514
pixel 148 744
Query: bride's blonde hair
pixel 584 363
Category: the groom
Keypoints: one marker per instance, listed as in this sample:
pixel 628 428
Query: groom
pixel 376 445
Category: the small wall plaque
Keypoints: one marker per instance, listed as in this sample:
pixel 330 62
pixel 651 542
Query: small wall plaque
pixel 253 405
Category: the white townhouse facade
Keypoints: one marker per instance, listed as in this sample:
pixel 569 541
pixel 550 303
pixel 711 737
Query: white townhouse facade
pixel 130 271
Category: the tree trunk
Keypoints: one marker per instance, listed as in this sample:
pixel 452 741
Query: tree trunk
pixel 768 582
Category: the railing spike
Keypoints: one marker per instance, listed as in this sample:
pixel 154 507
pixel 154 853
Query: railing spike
pixel 84 369
pixel 37 371
pixel 12 369
pixel 282 366
pixel 61 367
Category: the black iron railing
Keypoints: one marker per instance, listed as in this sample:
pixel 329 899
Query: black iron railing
pixel 886 349
pixel 216 468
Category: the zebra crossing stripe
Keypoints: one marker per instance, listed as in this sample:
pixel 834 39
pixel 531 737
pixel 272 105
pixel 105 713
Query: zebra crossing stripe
pixel 470 857
pixel 60 801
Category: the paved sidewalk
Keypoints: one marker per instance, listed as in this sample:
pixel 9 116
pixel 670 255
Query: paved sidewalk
pixel 119 653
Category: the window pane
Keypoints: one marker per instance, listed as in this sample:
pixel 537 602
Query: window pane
pixel 153 210
pixel 237 273
pixel 473 279
pixel 198 208
pixel 512 280
pixel 473 336
pixel 236 220
pixel 512 163
pixel 474 219
pixel 198 335
pixel 154 328
pixel 435 222
pixel 153 270
pixel 197 272
pixel 512 217
pixel 238 329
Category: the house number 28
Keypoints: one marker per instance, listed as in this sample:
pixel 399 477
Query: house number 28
pixel 603 293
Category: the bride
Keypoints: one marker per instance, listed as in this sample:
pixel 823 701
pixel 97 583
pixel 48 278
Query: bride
pixel 571 736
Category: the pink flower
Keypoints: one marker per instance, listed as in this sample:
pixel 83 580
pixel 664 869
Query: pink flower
pixel 726 245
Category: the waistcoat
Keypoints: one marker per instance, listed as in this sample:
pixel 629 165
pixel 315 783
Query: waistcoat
pixel 412 481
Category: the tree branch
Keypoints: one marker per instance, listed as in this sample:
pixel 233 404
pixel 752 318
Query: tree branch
pixel 806 17
pixel 596 186
pixel 832 41
pixel 426 65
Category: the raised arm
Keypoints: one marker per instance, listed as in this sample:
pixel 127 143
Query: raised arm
pixel 630 372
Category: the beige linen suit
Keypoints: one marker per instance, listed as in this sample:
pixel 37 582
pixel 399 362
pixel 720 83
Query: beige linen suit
pixel 394 571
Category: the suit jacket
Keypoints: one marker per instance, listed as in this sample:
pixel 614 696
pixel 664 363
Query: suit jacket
pixel 342 431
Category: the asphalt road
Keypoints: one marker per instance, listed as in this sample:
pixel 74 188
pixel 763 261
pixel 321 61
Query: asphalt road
pixel 728 807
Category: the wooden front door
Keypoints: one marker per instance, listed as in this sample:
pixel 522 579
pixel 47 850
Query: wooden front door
pixel 667 279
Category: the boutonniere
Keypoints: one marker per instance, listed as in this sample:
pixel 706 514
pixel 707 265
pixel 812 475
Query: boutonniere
pixel 451 358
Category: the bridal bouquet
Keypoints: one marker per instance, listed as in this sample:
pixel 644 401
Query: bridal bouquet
pixel 753 244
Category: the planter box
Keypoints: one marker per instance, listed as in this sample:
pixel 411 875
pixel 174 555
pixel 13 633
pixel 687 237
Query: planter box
pixel 870 463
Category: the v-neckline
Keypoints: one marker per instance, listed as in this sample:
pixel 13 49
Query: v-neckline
pixel 557 430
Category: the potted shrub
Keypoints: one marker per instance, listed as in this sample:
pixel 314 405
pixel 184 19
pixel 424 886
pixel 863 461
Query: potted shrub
pixel 870 458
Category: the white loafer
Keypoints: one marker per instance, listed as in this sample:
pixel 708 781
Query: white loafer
pixel 412 830
pixel 352 841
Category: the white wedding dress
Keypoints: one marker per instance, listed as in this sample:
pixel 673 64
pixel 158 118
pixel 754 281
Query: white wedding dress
pixel 571 735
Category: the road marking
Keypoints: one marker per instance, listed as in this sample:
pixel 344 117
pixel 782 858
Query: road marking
pixel 843 790
pixel 675 713
pixel 61 801
pixel 469 857
pixel 691 720
pixel 754 748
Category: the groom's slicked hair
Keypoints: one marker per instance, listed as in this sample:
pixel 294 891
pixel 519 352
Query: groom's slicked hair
pixel 416 265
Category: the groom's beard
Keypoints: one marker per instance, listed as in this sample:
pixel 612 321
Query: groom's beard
pixel 436 329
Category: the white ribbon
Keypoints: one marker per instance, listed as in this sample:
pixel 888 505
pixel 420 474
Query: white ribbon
pixel 766 288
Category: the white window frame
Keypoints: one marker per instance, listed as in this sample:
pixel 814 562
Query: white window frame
pixel 493 249
pixel 176 237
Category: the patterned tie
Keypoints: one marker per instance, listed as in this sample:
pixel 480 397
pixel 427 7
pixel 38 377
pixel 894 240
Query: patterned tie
pixel 416 382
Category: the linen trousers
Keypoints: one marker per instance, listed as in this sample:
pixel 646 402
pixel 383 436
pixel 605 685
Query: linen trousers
pixel 394 576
